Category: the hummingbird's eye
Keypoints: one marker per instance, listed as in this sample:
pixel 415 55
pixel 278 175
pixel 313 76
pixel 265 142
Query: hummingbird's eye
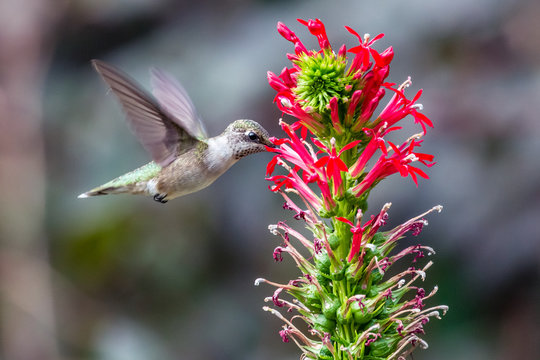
pixel 252 136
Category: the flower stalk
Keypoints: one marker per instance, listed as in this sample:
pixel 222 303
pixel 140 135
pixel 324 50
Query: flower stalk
pixel 334 153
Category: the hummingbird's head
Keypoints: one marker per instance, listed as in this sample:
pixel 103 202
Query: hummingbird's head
pixel 247 137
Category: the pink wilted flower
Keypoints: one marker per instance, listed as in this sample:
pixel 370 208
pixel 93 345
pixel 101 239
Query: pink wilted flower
pixel 330 159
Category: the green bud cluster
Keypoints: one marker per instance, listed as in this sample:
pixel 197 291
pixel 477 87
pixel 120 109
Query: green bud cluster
pixel 320 78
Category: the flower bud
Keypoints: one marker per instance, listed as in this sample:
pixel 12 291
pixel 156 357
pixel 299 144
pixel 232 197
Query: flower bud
pixel 323 324
pixel 322 262
pixel 330 308
pixel 384 346
pixel 324 354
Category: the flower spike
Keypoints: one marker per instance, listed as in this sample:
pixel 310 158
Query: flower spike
pixel 331 157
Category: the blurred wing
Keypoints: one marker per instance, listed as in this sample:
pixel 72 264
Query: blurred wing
pixel 174 99
pixel 157 132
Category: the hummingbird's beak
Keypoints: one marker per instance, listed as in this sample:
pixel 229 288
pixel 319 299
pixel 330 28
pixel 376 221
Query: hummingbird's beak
pixel 269 144
pixel 271 148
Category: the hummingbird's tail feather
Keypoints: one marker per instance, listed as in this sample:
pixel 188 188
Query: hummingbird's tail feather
pixel 134 182
pixel 110 190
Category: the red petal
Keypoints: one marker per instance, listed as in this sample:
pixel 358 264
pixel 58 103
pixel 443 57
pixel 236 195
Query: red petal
pixel 394 147
pixel 342 219
pixel 321 162
pixel 342 51
pixel 341 165
pixel 331 171
pixel 424 157
pixel 413 176
pixel 403 170
pixel 419 172
pixel 350 146
pixel 355 246
pixel 422 118
pixel 271 165
pixel 320 145
pixel 286 32
pixel 417 96
pixel 352 31
pixel 357 49
pixel 380 36
pixel 303 132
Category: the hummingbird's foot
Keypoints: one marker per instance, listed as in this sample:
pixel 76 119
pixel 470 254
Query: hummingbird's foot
pixel 160 198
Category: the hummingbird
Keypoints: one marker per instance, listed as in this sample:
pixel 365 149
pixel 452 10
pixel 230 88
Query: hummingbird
pixel 184 158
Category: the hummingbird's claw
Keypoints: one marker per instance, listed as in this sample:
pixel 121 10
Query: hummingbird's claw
pixel 160 198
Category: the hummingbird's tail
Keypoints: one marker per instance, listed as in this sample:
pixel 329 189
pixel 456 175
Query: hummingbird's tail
pixel 134 182
pixel 107 190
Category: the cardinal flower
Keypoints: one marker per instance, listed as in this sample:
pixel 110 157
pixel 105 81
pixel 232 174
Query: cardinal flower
pixel 330 158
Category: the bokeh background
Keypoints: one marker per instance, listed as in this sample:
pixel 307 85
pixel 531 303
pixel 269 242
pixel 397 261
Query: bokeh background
pixel 124 277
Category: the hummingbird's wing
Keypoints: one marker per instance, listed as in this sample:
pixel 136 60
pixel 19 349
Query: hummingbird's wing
pixel 175 101
pixel 160 134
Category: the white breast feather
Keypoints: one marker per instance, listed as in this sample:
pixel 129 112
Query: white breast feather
pixel 220 155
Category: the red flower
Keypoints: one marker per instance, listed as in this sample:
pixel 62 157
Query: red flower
pixel 295 151
pixel 293 181
pixel 291 36
pixel 399 106
pixel 332 164
pixel 335 115
pixel 376 142
pixel 357 231
pixel 361 61
pixel 399 161
pixel 316 27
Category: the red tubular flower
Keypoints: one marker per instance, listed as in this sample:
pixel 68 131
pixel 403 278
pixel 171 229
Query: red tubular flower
pixel 294 151
pixel 368 109
pixel 333 164
pixel 286 100
pixel 361 61
pixel 383 59
pixel 376 142
pixel 277 83
pixel 291 36
pixel 365 231
pixel 293 181
pixel 316 27
pixel 334 115
pixel 399 106
pixel 357 231
pixel 372 93
pixel 399 161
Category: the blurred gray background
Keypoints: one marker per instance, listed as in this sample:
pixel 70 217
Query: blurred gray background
pixel 123 277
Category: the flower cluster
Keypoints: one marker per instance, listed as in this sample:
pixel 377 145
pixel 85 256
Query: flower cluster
pixel 333 155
